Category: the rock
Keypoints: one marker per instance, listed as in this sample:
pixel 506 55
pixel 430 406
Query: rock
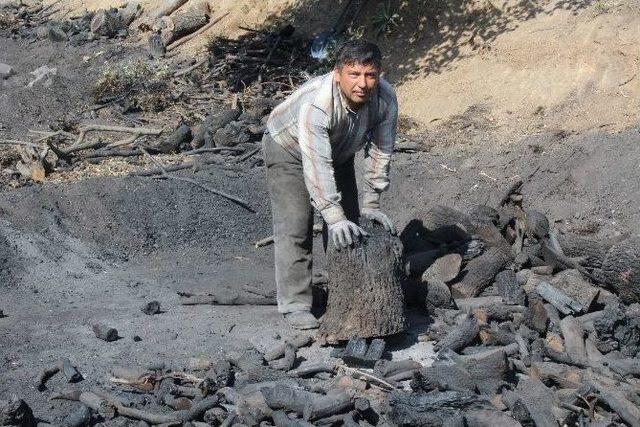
pixel 105 333
pixel 6 71
pixel 150 308
pixel 43 73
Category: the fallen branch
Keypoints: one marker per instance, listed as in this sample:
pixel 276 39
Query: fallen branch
pixel 247 155
pixel 187 298
pixel 371 379
pixel 191 68
pixel 135 133
pixel 165 174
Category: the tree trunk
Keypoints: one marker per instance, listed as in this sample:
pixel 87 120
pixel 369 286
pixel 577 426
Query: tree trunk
pixel 365 294
pixel 188 21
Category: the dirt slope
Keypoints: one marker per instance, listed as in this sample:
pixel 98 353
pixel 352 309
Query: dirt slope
pixel 565 65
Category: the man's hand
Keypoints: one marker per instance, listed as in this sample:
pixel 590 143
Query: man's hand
pixel 341 233
pixel 379 217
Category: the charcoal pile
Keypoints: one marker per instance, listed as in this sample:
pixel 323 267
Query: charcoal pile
pixel 530 327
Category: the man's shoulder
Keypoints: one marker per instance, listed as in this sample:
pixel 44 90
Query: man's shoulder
pixel 387 92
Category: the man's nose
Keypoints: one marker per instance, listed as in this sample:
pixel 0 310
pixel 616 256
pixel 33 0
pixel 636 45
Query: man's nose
pixel 362 82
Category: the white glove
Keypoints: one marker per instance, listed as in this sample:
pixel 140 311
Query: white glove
pixel 379 217
pixel 341 233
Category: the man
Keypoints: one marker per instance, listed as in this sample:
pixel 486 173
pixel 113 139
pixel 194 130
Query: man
pixel 309 149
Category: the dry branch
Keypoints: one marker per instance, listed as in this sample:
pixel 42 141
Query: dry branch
pixel 165 174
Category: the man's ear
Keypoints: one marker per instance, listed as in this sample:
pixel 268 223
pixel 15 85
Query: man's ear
pixel 336 74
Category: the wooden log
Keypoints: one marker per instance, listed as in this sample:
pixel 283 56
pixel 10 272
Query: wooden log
pixel 536 402
pixel 328 405
pixel 557 374
pixel 443 376
pixel 459 336
pixel 535 316
pixel 299 340
pixel 173 141
pixel 468 305
pixel 167 8
pixel 188 21
pixel 438 295
pixel 288 398
pixel 616 400
pixel 624 367
pixel 286 363
pixel 573 284
pixel 563 302
pixel 312 369
pixel 426 409
pixel 365 295
pixel 573 334
pixel 498 311
pixel 443 269
pixel 621 269
pixel 480 272
pixel 388 368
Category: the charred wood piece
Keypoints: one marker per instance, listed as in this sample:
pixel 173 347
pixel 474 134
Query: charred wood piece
pixel 64 366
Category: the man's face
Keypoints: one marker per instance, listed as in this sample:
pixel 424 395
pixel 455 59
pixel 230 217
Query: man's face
pixel 357 82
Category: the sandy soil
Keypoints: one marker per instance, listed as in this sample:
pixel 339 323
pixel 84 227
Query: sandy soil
pixel 534 66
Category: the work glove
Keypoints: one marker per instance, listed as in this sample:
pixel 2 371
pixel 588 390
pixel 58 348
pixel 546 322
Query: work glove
pixel 379 217
pixel 341 233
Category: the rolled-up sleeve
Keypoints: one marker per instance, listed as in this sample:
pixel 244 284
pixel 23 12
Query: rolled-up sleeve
pixel 317 163
pixel 378 157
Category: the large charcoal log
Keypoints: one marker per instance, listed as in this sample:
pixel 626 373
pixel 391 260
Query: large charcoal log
pixel 365 294
pixel 621 269
pixel 432 409
pixel 532 403
pixel 459 336
pixel 480 272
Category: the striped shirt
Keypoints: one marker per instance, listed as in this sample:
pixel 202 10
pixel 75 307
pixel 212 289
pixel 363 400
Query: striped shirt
pixel 316 126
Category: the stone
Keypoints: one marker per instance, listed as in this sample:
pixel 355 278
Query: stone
pixel 6 71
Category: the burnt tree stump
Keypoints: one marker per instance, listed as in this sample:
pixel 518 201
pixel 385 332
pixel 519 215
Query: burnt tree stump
pixel 365 293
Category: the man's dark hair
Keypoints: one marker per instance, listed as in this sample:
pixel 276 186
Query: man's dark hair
pixel 359 52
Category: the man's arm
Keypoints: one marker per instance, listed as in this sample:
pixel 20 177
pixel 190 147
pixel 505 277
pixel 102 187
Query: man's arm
pixel 317 163
pixel 378 158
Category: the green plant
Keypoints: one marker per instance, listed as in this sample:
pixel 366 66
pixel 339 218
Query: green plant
pixel 601 7
pixel 386 20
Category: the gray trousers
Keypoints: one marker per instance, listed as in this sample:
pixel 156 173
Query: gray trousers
pixel 293 222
